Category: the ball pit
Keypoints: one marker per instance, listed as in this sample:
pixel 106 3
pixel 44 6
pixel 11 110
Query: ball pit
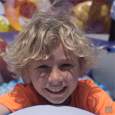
pixel 7 87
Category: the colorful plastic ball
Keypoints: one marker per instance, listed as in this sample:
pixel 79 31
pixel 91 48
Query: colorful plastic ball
pixel 4 24
pixel 4 84
pixel 12 82
pixel 96 83
pixel 102 86
pixel 11 85
pixel 20 80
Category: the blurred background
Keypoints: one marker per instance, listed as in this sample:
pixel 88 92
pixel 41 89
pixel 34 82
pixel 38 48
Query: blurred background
pixel 95 17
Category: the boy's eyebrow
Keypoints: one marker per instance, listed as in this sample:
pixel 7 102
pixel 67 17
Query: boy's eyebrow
pixel 62 60
pixel 67 59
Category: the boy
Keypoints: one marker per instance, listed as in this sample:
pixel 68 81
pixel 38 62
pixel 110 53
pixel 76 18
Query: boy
pixel 50 54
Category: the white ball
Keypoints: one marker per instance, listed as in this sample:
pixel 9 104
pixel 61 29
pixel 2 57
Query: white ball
pixel 51 110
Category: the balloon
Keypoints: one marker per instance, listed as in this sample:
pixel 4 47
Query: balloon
pixel 19 12
pixel 89 16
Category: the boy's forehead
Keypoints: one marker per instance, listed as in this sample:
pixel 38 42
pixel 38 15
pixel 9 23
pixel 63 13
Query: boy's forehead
pixel 59 53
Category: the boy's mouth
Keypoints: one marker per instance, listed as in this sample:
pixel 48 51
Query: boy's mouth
pixel 56 90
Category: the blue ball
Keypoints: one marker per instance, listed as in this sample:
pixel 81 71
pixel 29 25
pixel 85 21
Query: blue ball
pixel 102 86
pixel 12 82
pixel 4 84
pixel 96 83
pixel 20 80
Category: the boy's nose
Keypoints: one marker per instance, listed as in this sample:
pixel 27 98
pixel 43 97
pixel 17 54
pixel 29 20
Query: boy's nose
pixel 55 75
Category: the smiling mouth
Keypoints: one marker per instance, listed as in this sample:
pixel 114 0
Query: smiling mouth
pixel 56 91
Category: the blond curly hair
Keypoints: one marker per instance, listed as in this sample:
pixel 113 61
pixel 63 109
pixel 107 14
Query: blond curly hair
pixel 41 35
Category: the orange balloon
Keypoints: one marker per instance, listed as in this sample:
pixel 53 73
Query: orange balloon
pixel 19 11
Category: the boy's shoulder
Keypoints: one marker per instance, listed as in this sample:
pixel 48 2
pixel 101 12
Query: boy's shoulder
pixel 87 84
pixel 23 87
pixel 23 95
pixel 88 88
pixel 86 81
pixel 92 98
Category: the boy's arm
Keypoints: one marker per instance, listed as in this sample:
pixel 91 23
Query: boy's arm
pixel 4 110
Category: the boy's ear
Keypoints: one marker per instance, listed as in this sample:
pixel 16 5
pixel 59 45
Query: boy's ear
pixel 25 77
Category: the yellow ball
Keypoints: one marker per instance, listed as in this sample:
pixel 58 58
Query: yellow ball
pixel 4 24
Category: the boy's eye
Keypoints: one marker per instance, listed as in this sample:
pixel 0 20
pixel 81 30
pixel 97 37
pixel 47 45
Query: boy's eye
pixel 43 67
pixel 66 66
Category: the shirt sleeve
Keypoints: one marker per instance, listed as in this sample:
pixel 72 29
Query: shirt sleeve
pixel 20 97
pixel 100 103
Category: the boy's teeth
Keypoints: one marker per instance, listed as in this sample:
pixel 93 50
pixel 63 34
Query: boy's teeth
pixel 56 90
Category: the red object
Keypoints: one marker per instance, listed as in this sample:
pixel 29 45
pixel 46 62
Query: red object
pixel 27 9
pixel 6 75
pixel 3 45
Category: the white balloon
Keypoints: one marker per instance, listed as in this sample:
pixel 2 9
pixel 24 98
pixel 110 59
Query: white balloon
pixel 51 110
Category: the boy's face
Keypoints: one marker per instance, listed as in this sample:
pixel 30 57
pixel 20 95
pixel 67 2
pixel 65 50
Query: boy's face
pixel 56 77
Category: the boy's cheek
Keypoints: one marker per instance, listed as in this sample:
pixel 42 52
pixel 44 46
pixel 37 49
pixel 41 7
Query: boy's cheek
pixel 71 77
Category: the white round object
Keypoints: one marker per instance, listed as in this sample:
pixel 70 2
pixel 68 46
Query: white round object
pixel 51 110
pixel 2 9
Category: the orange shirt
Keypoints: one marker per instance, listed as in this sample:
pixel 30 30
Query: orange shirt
pixel 86 96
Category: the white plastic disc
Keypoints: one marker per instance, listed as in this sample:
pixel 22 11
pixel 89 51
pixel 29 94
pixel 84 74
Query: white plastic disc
pixel 51 110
